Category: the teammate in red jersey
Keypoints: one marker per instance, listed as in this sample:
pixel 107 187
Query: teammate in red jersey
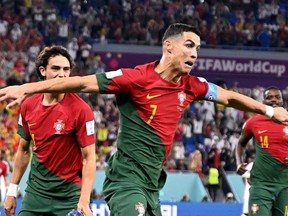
pixel 269 174
pixel 3 172
pixel 151 99
pixel 61 128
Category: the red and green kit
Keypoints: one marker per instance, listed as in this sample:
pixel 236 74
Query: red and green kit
pixel 269 174
pixel 150 108
pixel 271 149
pixel 57 132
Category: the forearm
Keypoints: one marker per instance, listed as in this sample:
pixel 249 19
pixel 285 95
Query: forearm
pixel 239 154
pixel 20 165
pixel 86 84
pixel 88 175
pixel 245 103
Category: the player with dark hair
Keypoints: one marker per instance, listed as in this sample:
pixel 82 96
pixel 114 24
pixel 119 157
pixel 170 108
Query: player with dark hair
pixel 269 174
pixel 151 99
pixel 61 128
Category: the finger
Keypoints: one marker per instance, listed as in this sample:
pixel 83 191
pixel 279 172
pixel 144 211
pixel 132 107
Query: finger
pixel 3 97
pixel 13 103
pixel 10 212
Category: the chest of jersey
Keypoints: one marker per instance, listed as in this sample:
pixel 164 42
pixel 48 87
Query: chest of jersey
pixel 270 136
pixel 161 105
pixel 46 124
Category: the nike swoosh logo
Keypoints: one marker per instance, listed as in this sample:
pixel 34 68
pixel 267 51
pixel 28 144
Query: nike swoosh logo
pixel 152 96
pixel 31 124
pixel 262 131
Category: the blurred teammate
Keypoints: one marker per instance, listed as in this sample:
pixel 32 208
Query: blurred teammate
pixel 269 174
pixel 151 99
pixel 4 170
pixel 61 128
pixel 247 182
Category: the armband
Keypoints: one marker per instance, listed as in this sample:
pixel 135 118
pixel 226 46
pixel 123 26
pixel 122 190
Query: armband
pixel 212 92
pixel 269 111
pixel 12 190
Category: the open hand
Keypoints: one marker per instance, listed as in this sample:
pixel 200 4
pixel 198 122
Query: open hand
pixel 14 95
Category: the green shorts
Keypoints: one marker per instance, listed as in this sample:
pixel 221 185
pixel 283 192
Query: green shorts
pixel 268 200
pixel 130 199
pixel 35 205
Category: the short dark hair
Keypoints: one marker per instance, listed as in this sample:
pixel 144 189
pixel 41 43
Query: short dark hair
pixel 271 88
pixel 178 29
pixel 47 53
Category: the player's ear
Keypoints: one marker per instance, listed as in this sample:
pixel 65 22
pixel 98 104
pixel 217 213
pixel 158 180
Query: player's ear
pixel 168 45
pixel 42 71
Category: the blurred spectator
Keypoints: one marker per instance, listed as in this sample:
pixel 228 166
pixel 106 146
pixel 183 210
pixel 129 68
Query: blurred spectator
pixel 73 48
pixel 198 126
pixel 16 32
pixel 113 148
pixel 171 165
pixel 101 164
pixel 95 65
pixel 105 149
pixel 213 182
pixel 196 162
pixel 178 150
pixel 227 158
pixel 213 159
pixel 185 198
pixel 3 27
pixel 181 165
pixel 102 134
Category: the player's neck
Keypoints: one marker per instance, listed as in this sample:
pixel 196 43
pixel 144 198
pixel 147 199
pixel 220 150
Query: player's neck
pixel 167 71
pixel 51 99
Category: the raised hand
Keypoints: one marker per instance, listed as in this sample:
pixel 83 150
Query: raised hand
pixel 14 95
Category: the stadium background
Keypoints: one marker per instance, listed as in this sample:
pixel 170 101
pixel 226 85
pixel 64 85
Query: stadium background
pixel 244 48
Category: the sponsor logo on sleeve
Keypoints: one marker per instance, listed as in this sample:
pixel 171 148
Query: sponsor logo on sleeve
pixel 112 74
pixel 90 128
pixel 20 120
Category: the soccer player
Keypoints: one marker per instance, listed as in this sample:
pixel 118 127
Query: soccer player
pixel 269 174
pixel 151 99
pixel 61 128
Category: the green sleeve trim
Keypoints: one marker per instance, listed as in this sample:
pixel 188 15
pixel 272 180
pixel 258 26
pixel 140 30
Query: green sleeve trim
pixel 103 82
pixel 22 133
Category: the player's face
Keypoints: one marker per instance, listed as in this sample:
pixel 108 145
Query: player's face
pixel 57 67
pixel 185 52
pixel 273 97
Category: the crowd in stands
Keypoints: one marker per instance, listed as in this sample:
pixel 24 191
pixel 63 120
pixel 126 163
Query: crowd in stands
pixel 28 25
pixel 207 133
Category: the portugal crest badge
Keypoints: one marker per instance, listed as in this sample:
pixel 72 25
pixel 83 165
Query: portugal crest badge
pixel 140 208
pixel 254 208
pixel 59 126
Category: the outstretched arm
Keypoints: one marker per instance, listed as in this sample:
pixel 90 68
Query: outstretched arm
pixel 245 103
pixel 86 84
